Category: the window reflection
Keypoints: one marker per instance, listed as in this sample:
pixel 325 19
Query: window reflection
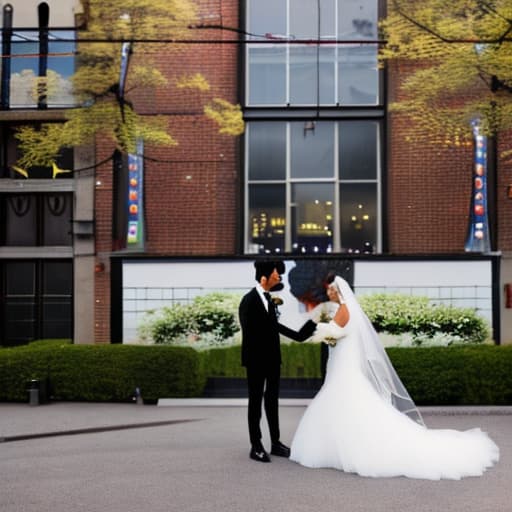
pixel 260 22
pixel 61 66
pixel 267 153
pixel 267 218
pixel 358 214
pixel 357 19
pixel 312 75
pixel 312 149
pixel 344 73
pixel 25 70
pixel 325 195
pixel 312 218
pixel 267 76
pixel 358 150
pixel 358 75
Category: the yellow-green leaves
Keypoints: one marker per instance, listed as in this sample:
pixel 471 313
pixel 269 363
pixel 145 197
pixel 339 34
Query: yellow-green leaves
pixel 227 116
pixel 196 81
pixel 461 55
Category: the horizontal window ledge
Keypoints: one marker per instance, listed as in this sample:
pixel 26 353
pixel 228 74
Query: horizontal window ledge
pixel 24 114
pixel 312 113
pixel 36 252
pixel 35 185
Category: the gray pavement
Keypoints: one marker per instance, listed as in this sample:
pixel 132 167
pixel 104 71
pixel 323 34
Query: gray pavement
pixel 192 455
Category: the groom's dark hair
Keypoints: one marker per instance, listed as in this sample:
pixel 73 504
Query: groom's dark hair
pixel 266 267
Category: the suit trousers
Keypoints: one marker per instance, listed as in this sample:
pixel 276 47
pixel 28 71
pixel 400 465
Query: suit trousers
pixel 263 386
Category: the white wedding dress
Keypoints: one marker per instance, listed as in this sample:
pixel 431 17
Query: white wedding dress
pixel 354 425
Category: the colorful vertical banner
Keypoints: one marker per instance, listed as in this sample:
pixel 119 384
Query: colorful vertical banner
pixel 478 238
pixel 135 229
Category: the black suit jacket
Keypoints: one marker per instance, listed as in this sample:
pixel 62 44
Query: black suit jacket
pixel 260 333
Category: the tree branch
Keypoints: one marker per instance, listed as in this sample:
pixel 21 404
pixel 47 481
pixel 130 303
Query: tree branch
pixel 502 39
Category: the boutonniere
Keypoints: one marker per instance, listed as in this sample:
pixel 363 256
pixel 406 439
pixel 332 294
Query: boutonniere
pixel 277 301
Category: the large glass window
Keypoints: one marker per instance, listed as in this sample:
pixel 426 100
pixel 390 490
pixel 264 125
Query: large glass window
pixel 315 188
pixel 312 217
pixel 338 67
pixel 37 79
pixel 36 64
pixel 314 117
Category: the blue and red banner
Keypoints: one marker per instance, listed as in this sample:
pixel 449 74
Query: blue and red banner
pixel 478 239
pixel 135 230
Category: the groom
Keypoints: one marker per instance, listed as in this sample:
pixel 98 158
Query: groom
pixel 261 356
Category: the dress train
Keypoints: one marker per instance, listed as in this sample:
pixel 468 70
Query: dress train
pixel 350 427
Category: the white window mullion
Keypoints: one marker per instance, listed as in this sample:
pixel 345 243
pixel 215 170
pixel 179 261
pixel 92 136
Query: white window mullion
pixel 378 220
pixel 289 205
pixel 337 99
pixel 287 47
pixel 336 236
pixel 246 229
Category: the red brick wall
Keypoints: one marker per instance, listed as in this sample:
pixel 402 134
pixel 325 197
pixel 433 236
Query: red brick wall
pixel 504 144
pixel 428 194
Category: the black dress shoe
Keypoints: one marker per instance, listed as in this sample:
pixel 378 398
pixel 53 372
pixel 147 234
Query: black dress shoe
pixel 259 454
pixel 280 450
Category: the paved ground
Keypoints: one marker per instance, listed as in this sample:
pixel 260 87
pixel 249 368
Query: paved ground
pixel 192 456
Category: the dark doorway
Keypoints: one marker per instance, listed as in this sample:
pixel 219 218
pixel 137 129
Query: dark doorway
pixel 36 300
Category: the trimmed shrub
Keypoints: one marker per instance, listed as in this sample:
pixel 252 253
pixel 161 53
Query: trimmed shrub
pixel 298 360
pixel 223 362
pixel 458 375
pixel 101 372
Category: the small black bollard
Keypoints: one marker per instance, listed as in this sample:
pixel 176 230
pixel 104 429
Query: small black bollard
pixel 38 391
pixel 33 392
pixel 137 397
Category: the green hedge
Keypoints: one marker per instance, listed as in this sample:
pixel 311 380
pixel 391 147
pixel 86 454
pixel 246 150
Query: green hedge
pixel 299 360
pixel 459 375
pixel 101 372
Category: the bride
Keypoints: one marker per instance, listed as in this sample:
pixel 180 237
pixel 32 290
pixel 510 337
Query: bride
pixel 364 421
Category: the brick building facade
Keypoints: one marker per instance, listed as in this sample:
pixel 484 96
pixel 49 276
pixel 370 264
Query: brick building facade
pixel 197 194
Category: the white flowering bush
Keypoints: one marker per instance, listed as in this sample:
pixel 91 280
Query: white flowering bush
pixel 209 320
pixel 423 323
pixel 212 321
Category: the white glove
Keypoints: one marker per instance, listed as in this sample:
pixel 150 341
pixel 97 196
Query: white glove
pixel 329 333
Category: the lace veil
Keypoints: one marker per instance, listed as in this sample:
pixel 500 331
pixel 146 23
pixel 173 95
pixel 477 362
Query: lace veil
pixel 376 363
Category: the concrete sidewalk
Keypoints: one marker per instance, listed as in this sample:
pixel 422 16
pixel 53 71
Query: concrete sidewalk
pixel 192 455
